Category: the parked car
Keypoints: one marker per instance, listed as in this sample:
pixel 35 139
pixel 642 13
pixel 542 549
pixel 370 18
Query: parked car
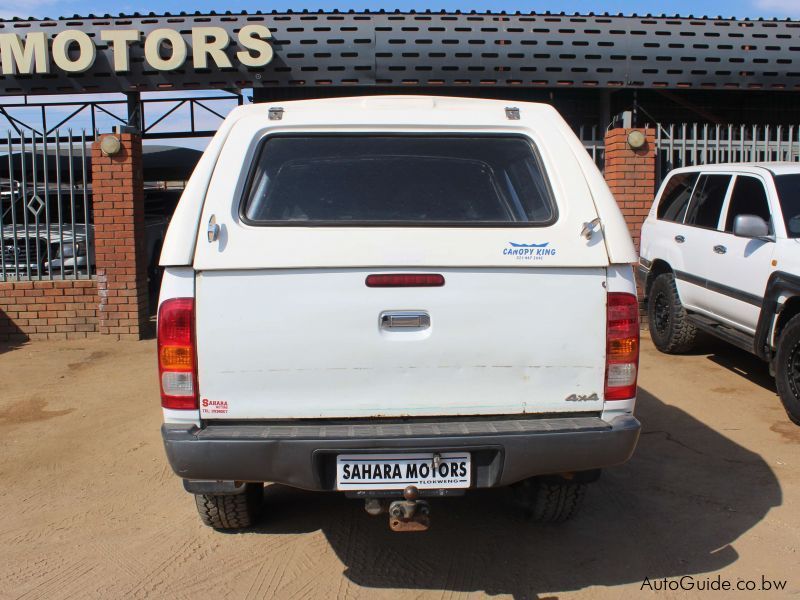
pixel 25 249
pixel 63 242
pixel 396 298
pixel 720 253
pixel 40 231
pixel 31 249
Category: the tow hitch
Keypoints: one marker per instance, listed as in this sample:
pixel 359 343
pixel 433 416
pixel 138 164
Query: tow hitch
pixel 409 514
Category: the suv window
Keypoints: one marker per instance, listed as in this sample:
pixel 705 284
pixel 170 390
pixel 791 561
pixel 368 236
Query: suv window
pixel 748 198
pixel 707 200
pixel 788 187
pixel 413 180
pixel 675 198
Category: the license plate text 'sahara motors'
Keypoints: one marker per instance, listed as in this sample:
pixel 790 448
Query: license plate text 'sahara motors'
pixel 447 470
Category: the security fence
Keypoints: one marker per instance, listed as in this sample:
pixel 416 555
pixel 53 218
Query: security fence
pixel 46 195
pixel 689 144
pixel 593 139
pixel 45 206
pixel 699 144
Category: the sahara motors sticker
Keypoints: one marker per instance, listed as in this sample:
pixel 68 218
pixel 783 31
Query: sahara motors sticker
pixel 214 407
pixel 529 251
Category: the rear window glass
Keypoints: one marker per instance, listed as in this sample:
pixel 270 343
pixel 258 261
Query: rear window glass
pixel 707 200
pixel 675 198
pixel 395 180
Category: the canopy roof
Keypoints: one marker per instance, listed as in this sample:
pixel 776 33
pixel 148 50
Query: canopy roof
pixel 434 49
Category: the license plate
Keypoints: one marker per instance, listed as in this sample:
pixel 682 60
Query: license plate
pixel 398 471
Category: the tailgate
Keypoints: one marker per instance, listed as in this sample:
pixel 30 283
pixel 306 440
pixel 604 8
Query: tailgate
pixel 288 328
pixel 309 343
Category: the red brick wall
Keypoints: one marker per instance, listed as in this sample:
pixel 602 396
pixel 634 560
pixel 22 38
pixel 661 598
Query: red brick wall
pixel 118 191
pixel 115 303
pixel 40 310
pixel 631 175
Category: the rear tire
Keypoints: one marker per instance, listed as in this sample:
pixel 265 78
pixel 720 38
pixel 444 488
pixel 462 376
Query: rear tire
pixel 551 499
pixel 787 369
pixel 668 322
pixel 231 511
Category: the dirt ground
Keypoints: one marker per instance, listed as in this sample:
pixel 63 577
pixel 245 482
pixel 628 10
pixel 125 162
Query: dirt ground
pixel 90 509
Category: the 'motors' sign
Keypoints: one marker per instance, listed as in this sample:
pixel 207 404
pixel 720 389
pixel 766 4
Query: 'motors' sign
pixel 73 51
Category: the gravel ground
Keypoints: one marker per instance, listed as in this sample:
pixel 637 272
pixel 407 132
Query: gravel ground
pixel 90 509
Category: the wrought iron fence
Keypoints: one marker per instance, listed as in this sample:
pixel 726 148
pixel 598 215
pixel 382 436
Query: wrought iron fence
pixel 699 144
pixel 593 139
pixel 45 207
pixel 46 198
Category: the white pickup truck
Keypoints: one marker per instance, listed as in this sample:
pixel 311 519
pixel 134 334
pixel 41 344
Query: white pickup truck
pixel 396 298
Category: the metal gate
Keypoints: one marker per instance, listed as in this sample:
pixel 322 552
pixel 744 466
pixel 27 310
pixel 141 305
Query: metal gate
pixel 45 206
pixel 593 139
pixel 700 144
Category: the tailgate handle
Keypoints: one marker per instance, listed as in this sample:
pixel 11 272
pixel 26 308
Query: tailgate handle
pixel 405 320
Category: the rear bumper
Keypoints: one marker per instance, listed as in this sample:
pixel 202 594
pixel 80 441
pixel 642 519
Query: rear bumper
pixel 304 456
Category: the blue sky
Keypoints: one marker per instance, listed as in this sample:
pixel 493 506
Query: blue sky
pixel 738 8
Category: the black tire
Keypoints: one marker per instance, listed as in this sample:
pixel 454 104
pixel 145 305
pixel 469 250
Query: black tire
pixel 231 511
pixel 551 499
pixel 667 320
pixel 787 369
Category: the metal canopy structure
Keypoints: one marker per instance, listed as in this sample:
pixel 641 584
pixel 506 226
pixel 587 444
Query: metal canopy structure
pixel 408 50
pixel 136 113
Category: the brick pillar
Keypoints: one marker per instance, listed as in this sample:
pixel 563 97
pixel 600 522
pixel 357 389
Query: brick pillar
pixel 631 175
pixel 120 259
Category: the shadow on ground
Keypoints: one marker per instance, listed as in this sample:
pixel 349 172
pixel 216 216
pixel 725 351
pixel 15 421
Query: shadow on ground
pixel 738 361
pixel 11 336
pixel 676 508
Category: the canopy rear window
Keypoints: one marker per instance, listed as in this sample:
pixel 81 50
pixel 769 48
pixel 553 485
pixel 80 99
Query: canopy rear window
pixel 398 180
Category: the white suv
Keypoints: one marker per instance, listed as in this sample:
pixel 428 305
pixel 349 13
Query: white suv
pixel 396 298
pixel 720 253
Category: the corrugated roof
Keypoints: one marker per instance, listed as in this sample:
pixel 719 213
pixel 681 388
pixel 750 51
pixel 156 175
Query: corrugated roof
pixel 403 49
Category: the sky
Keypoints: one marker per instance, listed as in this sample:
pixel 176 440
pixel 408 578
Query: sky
pixel 726 8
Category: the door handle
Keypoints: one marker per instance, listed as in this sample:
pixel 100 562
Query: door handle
pixel 405 321
pixel 720 249
pixel 680 239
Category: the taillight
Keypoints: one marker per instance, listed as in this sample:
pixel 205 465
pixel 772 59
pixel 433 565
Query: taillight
pixel 177 364
pixel 405 280
pixel 622 346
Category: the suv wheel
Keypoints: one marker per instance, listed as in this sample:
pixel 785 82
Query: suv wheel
pixel 787 368
pixel 669 325
pixel 550 499
pixel 235 511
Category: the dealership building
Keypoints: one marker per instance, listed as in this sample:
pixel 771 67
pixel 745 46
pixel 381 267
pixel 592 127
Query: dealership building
pixel 698 89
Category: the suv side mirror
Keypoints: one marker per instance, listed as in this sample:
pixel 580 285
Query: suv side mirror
pixel 750 226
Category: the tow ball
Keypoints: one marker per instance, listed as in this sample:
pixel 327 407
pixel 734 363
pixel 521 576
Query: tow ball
pixel 410 514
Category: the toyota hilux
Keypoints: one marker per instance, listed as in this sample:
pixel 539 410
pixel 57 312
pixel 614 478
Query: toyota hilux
pixel 396 298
